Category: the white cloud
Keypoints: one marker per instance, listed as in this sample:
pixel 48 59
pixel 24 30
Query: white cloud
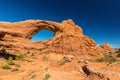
pixel 112 45
pixel 98 44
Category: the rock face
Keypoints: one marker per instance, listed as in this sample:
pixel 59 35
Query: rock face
pixel 94 72
pixel 68 39
pixel 106 47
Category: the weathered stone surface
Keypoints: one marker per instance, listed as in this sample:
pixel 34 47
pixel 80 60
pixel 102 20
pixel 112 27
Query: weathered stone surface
pixel 101 72
pixel 68 39
pixel 106 47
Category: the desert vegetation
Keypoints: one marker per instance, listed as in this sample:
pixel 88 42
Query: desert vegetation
pixel 110 57
pixel 47 76
pixel 64 60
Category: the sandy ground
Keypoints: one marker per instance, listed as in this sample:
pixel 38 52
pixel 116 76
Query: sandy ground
pixel 48 67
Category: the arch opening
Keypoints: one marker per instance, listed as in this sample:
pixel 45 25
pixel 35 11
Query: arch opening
pixel 43 35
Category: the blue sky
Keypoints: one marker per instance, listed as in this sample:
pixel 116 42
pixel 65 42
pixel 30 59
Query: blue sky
pixel 99 19
pixel 43 35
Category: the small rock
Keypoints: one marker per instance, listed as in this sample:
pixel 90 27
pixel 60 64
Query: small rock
pixel 33 63
pixel 81 60
pixel 70 57
pixel 86 61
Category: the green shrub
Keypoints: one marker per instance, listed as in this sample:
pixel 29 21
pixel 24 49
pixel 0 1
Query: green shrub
pixel 118 54
pixel 5 66
pixel 47 76
pixel 107 58
pixel 63 61
pixel 33 76
pixel 10 61
pixel 41 49
pixel 10 58
pixel 45 58
pixel 20 56
pixel 29 61
pixel 17 65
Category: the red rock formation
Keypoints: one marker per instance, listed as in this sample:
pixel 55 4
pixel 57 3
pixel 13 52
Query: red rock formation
pixel 68 39
pixel 106 47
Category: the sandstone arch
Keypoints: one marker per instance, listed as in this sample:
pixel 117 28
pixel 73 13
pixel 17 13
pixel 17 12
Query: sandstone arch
pixel 68 39
pixel 28 28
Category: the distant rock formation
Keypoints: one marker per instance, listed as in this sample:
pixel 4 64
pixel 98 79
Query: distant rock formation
pixel 68 39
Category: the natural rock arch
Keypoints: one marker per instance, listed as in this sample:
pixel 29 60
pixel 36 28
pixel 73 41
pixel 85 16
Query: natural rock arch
pixel 68 39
